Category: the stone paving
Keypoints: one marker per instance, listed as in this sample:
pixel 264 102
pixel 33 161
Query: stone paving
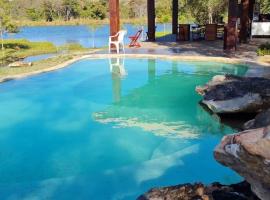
pixel 245 52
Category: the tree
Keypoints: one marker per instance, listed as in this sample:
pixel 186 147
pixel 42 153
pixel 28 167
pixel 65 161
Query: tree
pixel 48 10
pixel 207 11
pixel 71 9
pixel 265 6
pixel 94 10
pixel 33 14
pixel 5 21
pixel 165 19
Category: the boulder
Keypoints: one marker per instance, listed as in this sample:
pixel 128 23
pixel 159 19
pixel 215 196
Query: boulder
pixel 198 191
pixel 261 120
pixel 248 154
pixel 233 94
pixel 20 64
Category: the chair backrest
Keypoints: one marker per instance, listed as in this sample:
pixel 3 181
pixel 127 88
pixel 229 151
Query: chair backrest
pixel 138 34
pixel 121 35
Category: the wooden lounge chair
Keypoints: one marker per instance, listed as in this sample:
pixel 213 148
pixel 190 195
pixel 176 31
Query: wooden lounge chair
pixel 134 39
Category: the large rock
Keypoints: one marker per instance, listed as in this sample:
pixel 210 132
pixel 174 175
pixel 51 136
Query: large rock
pixel 232 94
pixel 216 191
pixel 20 64
pixel 248 154
pixel 261 120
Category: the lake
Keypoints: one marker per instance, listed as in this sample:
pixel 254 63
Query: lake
pixel 81 34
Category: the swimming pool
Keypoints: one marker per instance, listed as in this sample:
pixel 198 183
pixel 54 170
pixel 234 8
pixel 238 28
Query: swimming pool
pixel 109 129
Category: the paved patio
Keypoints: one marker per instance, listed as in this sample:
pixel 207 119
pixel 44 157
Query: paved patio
pixel 164 46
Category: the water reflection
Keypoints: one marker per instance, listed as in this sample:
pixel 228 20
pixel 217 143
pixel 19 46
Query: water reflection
pixel 151 69
pixel 118 71
pixel 166 104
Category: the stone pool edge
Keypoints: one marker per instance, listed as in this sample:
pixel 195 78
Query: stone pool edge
pixel 253 64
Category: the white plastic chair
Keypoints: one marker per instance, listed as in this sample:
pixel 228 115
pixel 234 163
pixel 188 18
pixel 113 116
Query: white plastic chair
pixel 118 42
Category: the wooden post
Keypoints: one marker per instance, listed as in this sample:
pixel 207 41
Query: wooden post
pixel 114 16
pixel 174 16
pixel 151 20
pixel 231 29
pixel 245 20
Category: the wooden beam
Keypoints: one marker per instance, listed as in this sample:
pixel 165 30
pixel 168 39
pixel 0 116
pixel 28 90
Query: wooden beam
pixel 114 16
pixel 251 9
pixel 174 16
pixel 151 13
pixel 230 38
pixel 245 21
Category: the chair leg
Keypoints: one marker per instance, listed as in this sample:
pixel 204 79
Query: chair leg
pixel 117 48
pixel 123 48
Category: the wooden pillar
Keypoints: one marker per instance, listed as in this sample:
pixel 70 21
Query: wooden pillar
pixel 245 21
pixel 230 38
pixel 151 20
pixel 114 16
pixel 251 9
pixel 174 16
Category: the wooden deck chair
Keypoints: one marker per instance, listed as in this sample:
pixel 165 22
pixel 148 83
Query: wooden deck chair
pixel 134 39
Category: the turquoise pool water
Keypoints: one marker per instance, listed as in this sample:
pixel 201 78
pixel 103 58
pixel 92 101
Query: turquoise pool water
pixel 100 131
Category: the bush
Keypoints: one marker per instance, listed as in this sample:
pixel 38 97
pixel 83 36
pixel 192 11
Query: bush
pixel 264 49
pixel 33 14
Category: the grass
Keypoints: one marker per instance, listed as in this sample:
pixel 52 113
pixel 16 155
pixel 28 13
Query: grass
pixel 264 49
pixel 44 64
pixel 16 49
pixel 72 47
pixel 162 34
pixel 19 48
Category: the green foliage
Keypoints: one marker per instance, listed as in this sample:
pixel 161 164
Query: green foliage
pixel 264 49
pixel 71 9
pixel 5 20
pixel 162 34
pixel 265 6
pixel 20 48
pixel 72 47
pixel 94 10
pixel 33 14
pixel 190 11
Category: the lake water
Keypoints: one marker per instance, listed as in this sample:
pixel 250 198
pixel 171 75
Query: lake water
pixel 109 129
pixel 60 35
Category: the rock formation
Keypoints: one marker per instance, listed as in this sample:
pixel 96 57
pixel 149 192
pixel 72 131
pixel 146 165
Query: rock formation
pixel 232 94
pixel 261 120
pixel 198 191
pixel 248 154
pixel 20 64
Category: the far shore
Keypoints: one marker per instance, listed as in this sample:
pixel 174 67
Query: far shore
pixel 76 22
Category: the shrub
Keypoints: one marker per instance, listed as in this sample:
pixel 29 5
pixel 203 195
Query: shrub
pixel 264 49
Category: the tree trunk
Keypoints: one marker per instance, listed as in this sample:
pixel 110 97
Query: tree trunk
pixel 2 42
pixel 210 17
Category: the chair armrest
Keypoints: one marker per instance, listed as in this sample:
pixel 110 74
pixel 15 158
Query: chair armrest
pixel 113 36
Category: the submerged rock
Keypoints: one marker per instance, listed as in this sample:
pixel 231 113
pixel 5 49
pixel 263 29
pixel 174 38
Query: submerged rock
pixel 232 94
pixel 248 154
pixel 198 191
